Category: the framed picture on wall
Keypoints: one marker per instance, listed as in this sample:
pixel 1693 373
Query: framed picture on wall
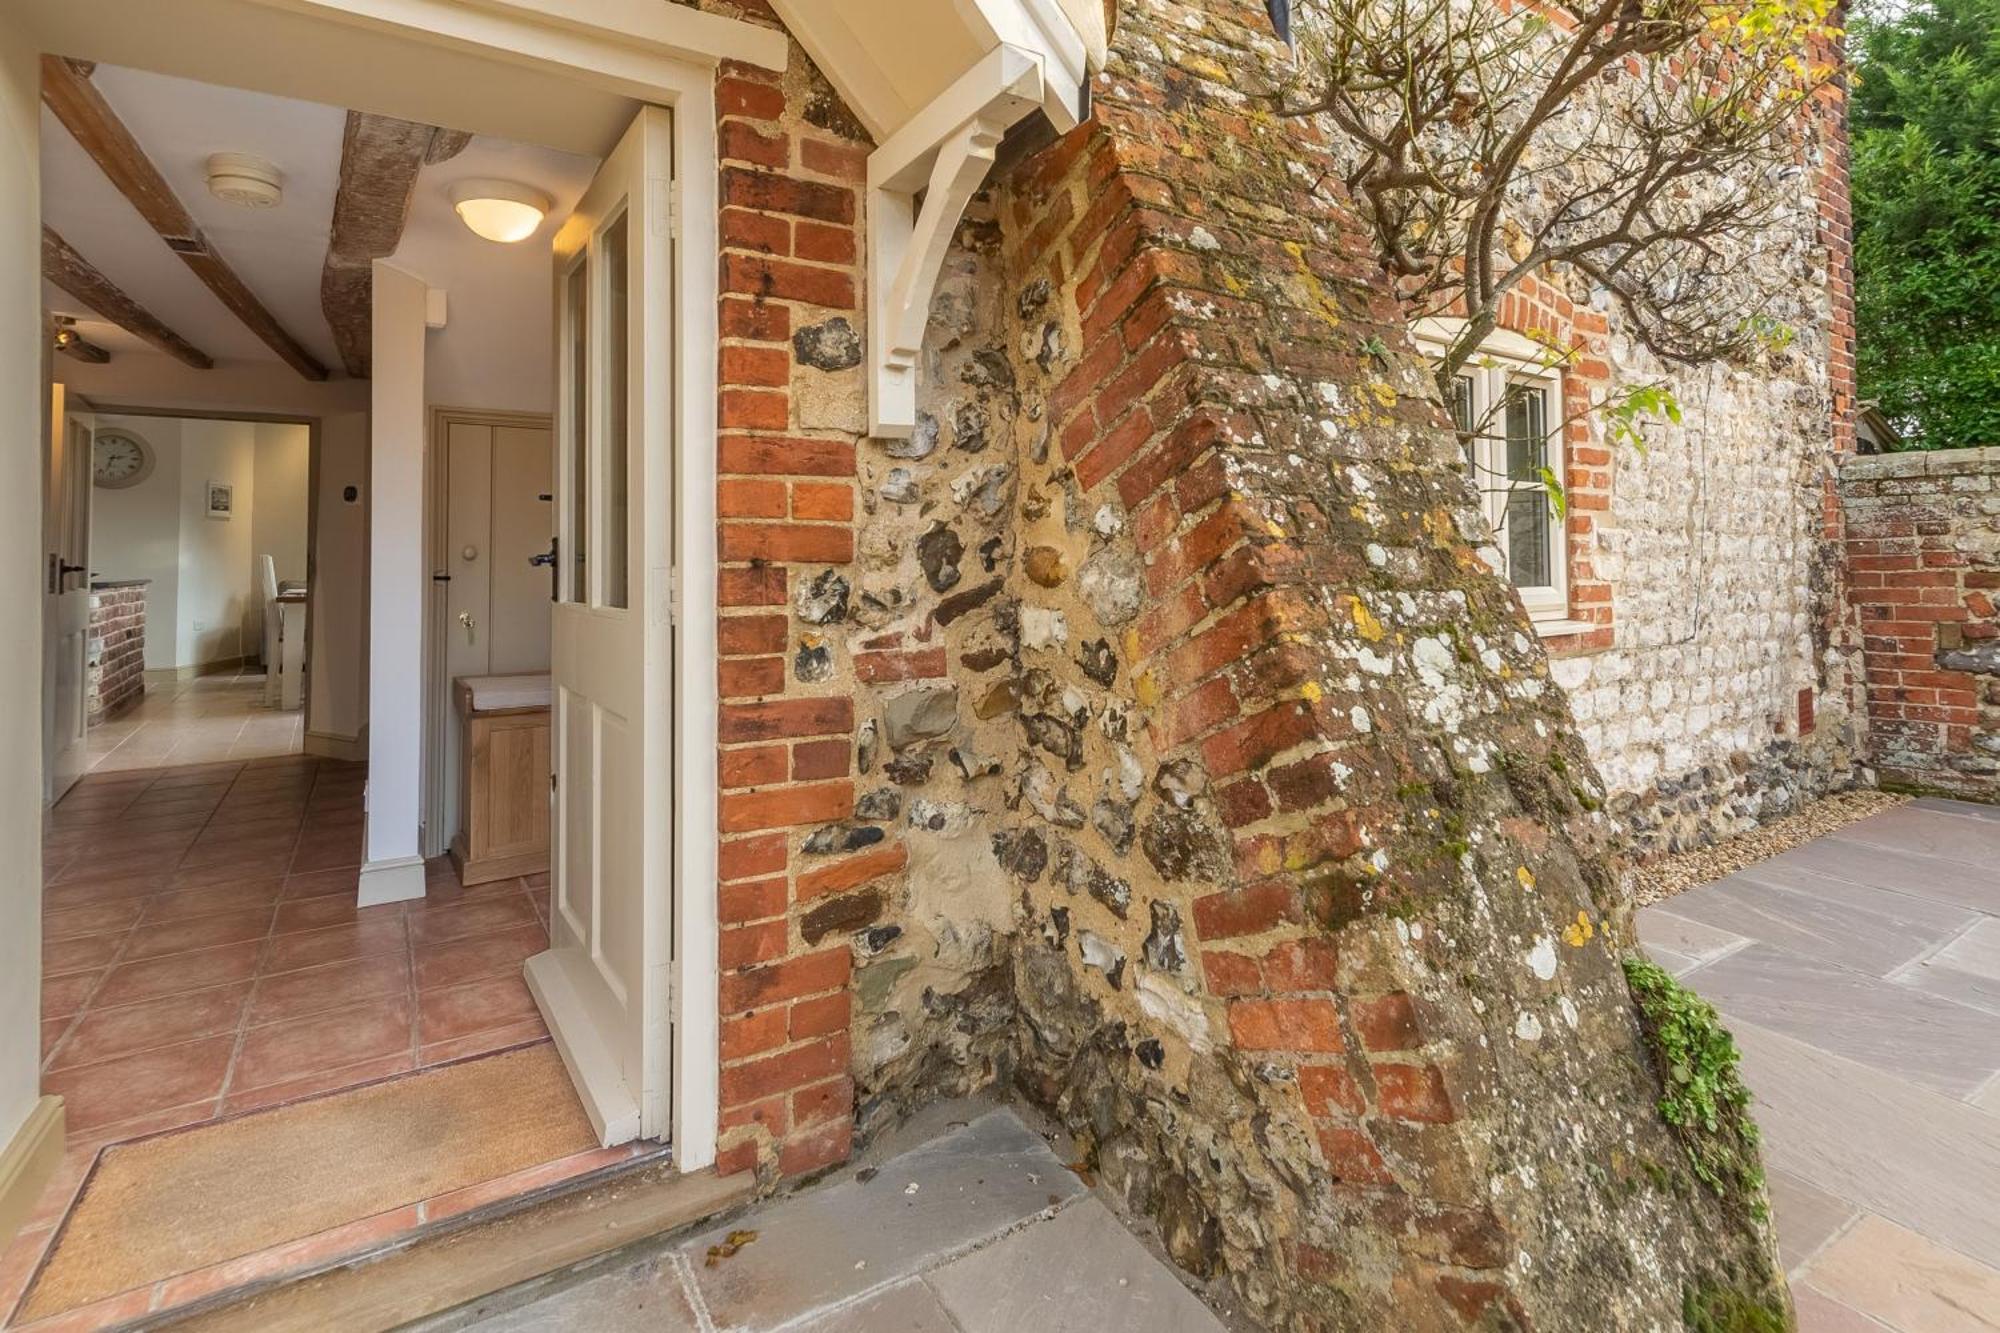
pixel 221 500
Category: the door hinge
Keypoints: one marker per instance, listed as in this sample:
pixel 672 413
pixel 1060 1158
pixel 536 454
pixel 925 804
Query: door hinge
pixel 666 597
pixel 666 207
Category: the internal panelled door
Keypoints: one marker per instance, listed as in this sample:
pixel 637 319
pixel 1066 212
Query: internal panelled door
pixel 603 985
pixel 66 476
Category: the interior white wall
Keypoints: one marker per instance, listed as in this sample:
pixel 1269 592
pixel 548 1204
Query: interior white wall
pixel 338 673
pixel 216 590
pixel 22 406
pixel 394 870
pixel 497 351
pixel 282 467
pixel 135 533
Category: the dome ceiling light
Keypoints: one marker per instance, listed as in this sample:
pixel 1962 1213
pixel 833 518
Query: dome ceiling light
pixel 503 211
pixel 249 182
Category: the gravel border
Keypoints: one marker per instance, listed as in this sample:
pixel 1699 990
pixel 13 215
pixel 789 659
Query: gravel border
pixel 1677 874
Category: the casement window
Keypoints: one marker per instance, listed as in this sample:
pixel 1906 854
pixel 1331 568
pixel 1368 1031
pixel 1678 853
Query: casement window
pixel 1507 403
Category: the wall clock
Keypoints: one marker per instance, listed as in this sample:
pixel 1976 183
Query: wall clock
pixel 119 459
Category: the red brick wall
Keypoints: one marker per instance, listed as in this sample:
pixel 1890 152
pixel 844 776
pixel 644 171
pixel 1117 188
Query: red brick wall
pixel 1923 544
pixel 790 196
pixel 117 675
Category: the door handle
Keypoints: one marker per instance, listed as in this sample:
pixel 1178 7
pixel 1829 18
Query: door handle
pixel 548 559
pixel 465 619
pixel 63 570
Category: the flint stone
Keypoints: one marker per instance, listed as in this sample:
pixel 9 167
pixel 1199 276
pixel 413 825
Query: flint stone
pixel 833 345
pixel 919 714
pixel 921 443
pixel 1111 584
pixel 823 601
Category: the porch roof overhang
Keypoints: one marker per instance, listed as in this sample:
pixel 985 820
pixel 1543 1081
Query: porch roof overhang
pixel 937 84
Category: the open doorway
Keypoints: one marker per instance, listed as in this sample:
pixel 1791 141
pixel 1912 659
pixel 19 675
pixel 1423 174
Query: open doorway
pixel 218 1002
pixel 200 546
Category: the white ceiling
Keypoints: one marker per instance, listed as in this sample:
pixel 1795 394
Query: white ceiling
pixel 278 252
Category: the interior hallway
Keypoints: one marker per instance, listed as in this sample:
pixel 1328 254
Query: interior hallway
pixel 202 720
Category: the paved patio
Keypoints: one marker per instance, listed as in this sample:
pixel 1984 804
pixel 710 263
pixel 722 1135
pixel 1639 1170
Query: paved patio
pixel 1861 976
pixel 978 1228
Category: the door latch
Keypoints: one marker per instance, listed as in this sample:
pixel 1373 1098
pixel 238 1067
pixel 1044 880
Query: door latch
pixel 465 619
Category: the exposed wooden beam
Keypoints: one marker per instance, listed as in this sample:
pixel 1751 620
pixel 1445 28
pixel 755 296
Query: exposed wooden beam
pixel 380 158
pixel 67 269
pixel 74 345
pixel 91 121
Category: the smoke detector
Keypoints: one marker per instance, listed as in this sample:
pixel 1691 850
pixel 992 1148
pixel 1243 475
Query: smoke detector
pixel 238 178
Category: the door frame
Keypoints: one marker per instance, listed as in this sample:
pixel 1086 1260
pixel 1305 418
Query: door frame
pixel 671 58
pixel 437 685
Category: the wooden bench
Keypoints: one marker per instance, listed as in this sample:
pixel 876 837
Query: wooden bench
pixel 504 777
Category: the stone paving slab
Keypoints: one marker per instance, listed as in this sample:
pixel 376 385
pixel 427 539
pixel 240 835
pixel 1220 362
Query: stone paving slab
pixel 1830 920
pixel 1898 1277
pixel 1929 832
pixel 1908 872
pixel 1807 1217
pixel 1032 1280
pixel 908 1307
pixel 1673 939
pixel 834 1243
pixel 1914 1156
pixel 1893 1028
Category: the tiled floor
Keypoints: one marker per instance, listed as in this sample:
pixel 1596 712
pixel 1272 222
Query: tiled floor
pixel 203 955
pixel 1861 976
pixel 204 720
pixel 978 1228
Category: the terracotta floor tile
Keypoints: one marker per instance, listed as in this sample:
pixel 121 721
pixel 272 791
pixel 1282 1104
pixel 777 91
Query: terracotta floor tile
pixel 519 1033
pixel 288 995
pixel 64 995
pixel 181 904
pixel 201 932
pixel 327 853
pixel 52 1032
pixel 315 1085
pixel 319 883
pixel 333 944
pixel 287 1052
pixel 104 1033
pixel 330 909
pixel 83 953
pixel 152 978
pixel 456 1011
pixel 454 964
pixel 94 919
pixel 436 924
pixel 134 1085
pixel 81 892
pixel 232 871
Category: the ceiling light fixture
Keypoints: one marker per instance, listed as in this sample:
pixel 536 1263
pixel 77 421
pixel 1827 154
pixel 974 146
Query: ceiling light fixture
pixel 239 178
pixel 503 211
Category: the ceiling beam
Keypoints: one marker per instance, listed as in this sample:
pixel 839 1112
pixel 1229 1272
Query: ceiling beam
pixel 67 269
pixel 74 345
pixel 67 90
pixel 380 158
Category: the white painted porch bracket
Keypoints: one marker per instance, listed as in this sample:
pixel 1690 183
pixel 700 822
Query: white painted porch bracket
pixel 944 152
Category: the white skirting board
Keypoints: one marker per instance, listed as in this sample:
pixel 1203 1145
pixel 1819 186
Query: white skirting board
pixel 609 1103
pixel 396 881
pixel 27 1161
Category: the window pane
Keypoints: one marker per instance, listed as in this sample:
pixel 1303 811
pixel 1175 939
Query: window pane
pixel 612 262
pixel 1527 524
pixel 576 311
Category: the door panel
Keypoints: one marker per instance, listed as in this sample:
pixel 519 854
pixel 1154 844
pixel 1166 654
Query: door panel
pixel 66 598
pixel 603 984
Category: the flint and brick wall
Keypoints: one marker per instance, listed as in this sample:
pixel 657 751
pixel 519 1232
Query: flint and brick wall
pixel 116 677
pixel 1923 543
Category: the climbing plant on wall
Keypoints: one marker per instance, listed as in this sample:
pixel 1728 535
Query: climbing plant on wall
pixel 1926 125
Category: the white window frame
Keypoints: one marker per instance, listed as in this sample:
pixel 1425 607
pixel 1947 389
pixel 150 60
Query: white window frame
pixel 1506 359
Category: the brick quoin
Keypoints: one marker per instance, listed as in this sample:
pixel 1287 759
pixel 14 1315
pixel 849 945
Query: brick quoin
pixel 790 205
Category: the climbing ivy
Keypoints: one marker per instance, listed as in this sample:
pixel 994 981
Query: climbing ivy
pixel 1704 1098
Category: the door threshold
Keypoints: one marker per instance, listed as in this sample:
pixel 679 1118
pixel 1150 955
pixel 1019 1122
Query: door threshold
pixel 448 1264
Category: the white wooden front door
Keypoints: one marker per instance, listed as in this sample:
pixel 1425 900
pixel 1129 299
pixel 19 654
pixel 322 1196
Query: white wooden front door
pixel 66 479
pixel 603 985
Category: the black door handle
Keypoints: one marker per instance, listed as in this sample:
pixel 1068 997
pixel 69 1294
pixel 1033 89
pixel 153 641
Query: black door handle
pixel 548 558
